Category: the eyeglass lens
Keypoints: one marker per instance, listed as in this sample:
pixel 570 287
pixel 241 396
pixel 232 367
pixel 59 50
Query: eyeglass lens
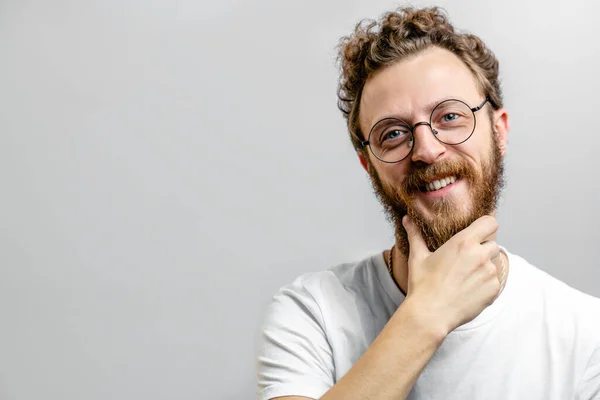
pixel 452 122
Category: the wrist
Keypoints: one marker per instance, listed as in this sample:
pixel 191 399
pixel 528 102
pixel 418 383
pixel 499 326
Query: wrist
pixel 432 327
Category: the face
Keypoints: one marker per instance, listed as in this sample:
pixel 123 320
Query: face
pixel 409 90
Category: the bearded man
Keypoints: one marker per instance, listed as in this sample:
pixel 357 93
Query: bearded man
pixel 446 313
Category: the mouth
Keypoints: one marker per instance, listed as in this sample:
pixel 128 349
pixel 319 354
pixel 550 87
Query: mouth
pixel 438 184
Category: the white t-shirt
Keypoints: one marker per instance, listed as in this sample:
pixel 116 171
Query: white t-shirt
pixel 540 340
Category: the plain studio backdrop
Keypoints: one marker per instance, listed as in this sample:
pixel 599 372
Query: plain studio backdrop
pixel 166 166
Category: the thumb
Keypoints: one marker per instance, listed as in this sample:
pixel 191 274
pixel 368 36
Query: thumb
pixel 418 247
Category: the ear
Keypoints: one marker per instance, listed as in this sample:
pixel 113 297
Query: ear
pixel 502 126
pixel 363 160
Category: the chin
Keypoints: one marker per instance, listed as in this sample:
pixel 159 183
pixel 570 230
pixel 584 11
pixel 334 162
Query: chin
pixel 442 208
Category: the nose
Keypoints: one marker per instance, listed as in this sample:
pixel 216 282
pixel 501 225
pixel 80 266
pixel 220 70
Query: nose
pixel 426 148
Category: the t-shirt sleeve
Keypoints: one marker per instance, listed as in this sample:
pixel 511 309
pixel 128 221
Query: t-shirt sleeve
pixel 589 386
pixel 294 355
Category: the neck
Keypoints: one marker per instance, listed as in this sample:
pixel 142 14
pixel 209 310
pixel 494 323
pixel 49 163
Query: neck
pixel 400 265
pixel 399 268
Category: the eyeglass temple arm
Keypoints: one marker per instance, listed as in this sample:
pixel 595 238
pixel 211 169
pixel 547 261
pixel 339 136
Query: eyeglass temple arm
pixel 483 104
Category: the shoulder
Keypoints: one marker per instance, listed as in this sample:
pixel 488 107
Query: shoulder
pixel 319 286
pixel 316 301
pixel 539 280
pixel 560 293
pixel 295 354
pixel 570 320
pixel 562 305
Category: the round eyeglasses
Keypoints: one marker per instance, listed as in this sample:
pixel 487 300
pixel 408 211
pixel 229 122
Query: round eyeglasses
pixel 452 122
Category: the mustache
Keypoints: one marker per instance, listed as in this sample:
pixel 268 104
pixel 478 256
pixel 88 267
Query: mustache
pixel 420 174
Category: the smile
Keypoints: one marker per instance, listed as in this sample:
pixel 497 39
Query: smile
pixel 439 183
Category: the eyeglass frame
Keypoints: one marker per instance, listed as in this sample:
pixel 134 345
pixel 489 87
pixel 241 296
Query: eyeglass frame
pixel 412 128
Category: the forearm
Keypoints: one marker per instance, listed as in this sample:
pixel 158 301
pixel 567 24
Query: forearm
pixel 394 361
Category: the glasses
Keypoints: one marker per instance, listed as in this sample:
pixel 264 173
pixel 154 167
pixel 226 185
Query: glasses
pixel 452 122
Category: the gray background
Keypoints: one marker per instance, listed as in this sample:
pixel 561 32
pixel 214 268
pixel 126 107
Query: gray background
pixel 166 166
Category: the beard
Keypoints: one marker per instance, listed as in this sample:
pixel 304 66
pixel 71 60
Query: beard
pixel 447 215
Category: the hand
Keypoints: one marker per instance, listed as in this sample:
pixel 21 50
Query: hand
pixel 454 284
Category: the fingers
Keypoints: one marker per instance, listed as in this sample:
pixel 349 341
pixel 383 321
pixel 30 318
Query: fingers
pixel 491 249
pixel 418 247
pixel 481 229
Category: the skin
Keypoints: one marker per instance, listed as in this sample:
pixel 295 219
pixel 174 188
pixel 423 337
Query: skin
pixel 409 90
pixel 452 285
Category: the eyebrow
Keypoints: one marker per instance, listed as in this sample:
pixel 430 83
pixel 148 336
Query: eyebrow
pixel 429 106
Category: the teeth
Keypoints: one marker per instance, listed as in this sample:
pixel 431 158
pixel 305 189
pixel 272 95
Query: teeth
pixel 436 185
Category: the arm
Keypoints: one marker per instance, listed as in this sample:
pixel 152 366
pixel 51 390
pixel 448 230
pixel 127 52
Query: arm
pixel 446 289
pixel 390 367
pixel 393 362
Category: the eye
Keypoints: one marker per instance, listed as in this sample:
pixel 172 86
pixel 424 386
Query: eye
pixel 389 133
pixel 393 134
pixel 449 117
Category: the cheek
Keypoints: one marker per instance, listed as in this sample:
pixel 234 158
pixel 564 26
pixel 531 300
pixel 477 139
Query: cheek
pixel 474 151
pixel 395 173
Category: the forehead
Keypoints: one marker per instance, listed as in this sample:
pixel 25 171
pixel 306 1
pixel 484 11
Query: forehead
pixel 409 88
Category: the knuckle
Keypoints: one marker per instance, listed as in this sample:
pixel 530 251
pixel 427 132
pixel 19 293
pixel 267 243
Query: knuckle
pixel 482 259
pixel 463 245
pixel 492 250
pixel 490 271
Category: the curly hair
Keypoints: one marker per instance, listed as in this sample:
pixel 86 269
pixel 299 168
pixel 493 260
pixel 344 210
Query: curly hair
pixel 396 36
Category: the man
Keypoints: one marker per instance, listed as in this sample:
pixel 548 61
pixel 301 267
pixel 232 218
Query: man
pixel 446 313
